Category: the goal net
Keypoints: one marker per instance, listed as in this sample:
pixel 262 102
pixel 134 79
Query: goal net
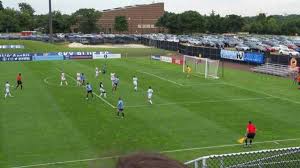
pixel 203 66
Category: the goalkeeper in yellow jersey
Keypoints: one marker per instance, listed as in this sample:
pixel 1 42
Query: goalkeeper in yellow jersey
pixel 188 71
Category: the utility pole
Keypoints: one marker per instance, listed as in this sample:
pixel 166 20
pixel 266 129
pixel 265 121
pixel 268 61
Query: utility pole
pixel 50 23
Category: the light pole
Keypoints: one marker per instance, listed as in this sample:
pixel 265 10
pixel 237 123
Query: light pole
pixel 50 23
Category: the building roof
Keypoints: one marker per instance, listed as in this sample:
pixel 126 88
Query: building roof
pixel 129 7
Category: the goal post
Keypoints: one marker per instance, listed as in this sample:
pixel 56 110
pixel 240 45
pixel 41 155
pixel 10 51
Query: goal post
pixel 202 66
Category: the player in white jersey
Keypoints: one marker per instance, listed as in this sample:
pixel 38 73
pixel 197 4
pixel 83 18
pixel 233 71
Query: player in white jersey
pixel 97 72
pixel 63 79
pixel 135 83
pixel 78 79
pixel 150 93
pixel 102 90
pixel 112 78
pixel 7 90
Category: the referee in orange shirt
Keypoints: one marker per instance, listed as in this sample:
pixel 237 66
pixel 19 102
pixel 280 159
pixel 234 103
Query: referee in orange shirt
pixel 251 132
pixel 19 81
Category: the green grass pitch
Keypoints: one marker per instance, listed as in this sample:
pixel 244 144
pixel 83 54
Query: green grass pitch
pixel 46 125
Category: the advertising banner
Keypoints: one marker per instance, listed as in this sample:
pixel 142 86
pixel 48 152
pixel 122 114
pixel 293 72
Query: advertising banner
pixel 106 56
pixel 16 58
pixel 11 46
pixel 166 59
pixel 253 57
pixel 156 57
pixel 48 58
pixel 79 57
pixel 15 54
pixel 233 55
pixel 178 61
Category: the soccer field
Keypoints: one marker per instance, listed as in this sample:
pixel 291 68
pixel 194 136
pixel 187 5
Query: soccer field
pixel 46 125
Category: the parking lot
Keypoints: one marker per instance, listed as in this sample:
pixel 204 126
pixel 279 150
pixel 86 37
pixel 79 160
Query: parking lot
pixel 281 45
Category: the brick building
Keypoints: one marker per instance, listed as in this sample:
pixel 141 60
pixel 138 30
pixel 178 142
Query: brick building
pixel 141 18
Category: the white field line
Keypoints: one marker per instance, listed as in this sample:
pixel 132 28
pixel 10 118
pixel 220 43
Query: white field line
pixel 167 151
pixel 260 92
pixel 162 78
pixel 199 102
pixel 204 84
pixel 105 101
pixel 55 85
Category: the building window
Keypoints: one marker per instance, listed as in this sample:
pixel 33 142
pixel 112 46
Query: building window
pixel 146 26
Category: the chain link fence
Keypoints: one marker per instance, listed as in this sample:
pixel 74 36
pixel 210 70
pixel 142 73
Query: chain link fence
pixel 276 158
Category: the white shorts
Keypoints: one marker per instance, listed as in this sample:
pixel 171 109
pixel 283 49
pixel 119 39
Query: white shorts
pixel 7 91
pixel 102 90
pixel 135 83
pixel 63 79
pixel 78 79
pixel 149 96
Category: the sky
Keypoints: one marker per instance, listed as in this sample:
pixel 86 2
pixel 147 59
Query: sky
pixel 222 7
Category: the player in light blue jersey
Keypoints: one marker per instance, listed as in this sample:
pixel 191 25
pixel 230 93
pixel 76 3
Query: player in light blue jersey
pixel 89 91
pixel 120 107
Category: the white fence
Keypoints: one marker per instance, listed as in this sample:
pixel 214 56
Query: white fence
pixel 276 158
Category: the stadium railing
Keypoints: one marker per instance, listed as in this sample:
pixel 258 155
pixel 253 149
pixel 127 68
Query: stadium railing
pixel 275 158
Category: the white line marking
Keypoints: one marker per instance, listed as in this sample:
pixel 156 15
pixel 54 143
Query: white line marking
pixel 150 74
pixel 260 92
pixel 275 142
pixel 204 84
pixel 55 85
pixel 199 102
pixel 167 151
pixel 105 101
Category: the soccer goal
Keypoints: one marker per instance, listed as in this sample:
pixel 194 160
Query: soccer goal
pixel 203 66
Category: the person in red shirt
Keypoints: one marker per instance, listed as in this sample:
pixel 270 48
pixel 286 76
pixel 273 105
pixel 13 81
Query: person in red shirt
pixel 251 132
pixel 19 81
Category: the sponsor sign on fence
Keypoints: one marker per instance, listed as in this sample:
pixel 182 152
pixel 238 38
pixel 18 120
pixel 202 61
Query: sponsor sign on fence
pixel 11 46
pixel 156 57
pixel 232 55
pixel 178 61
pixel 48 58
pixel 166 59
pixel 57 56
pixel 251 57
pixel 16 58
pixel 106 56
pixel 173 60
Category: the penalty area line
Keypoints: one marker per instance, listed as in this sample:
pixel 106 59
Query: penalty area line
pixel 105 101
pixel 159 77
pixel 167 151
pixel 200 102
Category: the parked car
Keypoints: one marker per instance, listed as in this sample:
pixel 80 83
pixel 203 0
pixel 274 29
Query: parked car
pixel 288 52
pixel 280 47
pixel 268 48
pixel 242 47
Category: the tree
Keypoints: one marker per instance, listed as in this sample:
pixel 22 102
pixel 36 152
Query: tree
pixel 233 23
pixel 191 22
pixel 215 23
pixel 9 21
pixel 170 21
pixel 1 6
pixel 121 24
pixel 26 16
pixel 86 19
pixel 26 8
